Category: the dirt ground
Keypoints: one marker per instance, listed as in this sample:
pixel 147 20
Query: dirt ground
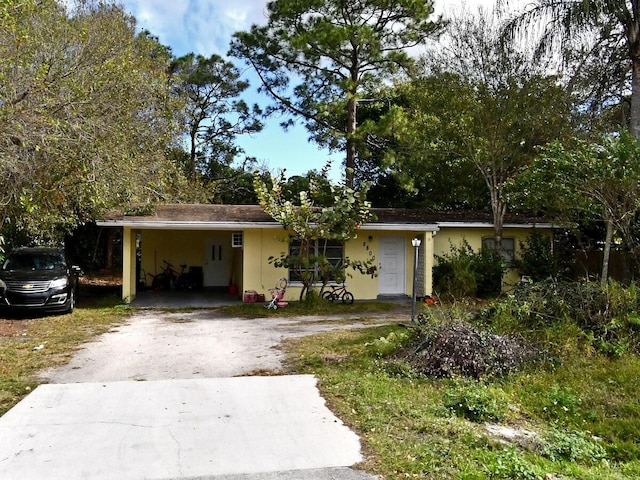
pixel 12 328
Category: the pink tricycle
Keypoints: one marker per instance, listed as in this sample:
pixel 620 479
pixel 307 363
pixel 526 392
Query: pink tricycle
pixel 277 295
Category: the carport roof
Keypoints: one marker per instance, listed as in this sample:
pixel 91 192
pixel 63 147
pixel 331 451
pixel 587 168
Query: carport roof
pixel 234 217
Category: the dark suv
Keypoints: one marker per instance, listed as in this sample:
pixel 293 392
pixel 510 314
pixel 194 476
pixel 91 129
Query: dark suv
pixel 38 279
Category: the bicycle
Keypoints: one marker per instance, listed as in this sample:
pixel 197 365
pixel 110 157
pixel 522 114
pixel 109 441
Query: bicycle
pixel 166 279
pixel 338 292
pixel 185 280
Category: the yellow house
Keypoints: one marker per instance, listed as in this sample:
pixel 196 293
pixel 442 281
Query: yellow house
pixel 231 245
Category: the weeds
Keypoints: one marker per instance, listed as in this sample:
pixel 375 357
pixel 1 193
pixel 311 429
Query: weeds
pixel 605 318
pixel 510 464
pixel 585 414
pixel 315 306
pixel 475 401
pixel 573 447
pixel 560 403
pixel 465 273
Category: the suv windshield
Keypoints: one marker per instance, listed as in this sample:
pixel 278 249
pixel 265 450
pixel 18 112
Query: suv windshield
pixel 31 262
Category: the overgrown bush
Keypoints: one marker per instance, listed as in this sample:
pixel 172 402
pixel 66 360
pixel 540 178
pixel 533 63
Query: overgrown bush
pixel 312 299
pixel 384 346
pixel 536 260
pixel 489 267
pixel 606 315
pixel 458 349
pixel 465 273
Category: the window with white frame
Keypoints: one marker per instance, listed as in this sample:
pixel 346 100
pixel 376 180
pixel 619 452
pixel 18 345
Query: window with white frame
pixel 508 250
pixel 236 239
pixel 332 250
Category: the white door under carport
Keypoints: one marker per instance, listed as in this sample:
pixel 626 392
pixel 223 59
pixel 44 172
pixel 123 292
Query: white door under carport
pixel 217 265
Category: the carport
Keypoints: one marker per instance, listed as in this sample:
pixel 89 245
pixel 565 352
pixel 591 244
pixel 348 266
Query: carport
pixel 205 239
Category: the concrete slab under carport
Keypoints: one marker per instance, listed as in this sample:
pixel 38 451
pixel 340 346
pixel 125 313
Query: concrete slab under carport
pixel 204 298
pixel 224 428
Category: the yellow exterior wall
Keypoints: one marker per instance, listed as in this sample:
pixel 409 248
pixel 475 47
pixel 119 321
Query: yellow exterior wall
pixel 176 247
pixel 250 268
pixel 363 247
pixel 260 275
pixel 370 289
pixel 428 249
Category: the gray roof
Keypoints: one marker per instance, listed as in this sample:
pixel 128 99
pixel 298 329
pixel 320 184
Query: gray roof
pixel 195 213
pixel 252 215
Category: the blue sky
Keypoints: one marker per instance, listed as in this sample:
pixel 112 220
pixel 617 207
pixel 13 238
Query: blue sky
pixel 206 27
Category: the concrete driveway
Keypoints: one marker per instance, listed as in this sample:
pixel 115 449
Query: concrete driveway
pixel 160 398
pixel 159 345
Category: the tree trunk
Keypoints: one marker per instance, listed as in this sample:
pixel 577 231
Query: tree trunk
pixel 109 247
pixel 499 210
pixel 604 277
pixel 634 120
pixel 191 168
pixel 351 142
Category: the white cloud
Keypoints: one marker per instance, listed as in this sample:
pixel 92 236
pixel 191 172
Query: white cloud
pixel 201 26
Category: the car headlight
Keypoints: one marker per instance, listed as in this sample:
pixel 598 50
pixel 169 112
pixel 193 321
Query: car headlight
pixel 59 283
pixel 3 286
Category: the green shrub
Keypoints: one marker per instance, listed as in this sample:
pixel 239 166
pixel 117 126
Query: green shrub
pixel 537 260
pixel 476 402
pixel 454 274
pixel 573 447
pixel 560 403
pixel 488 268
pixel 511 465
pixel 312 299
pixel 607 315
pixel 384 346
pixel 465 273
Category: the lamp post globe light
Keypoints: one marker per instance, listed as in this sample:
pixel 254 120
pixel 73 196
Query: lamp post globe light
pixel 416 246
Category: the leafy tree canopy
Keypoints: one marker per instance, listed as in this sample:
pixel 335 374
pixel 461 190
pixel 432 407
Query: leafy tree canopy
pixel 473 117
pixel 315 58
pixel 599 42
pixel 307 221
pixel 214 113
pixel 86 115
pixel 569 180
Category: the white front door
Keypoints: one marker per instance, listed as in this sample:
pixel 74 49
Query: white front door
pixel 217 265
pixel 392 265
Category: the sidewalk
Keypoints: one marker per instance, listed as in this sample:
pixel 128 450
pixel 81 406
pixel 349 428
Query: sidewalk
pixel 227 428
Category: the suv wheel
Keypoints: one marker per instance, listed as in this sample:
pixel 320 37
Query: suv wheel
pixel 72 301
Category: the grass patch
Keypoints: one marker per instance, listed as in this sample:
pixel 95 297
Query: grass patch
pixel 48 342
pixel 584 414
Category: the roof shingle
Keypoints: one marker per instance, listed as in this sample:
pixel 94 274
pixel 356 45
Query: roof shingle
pixel 205 213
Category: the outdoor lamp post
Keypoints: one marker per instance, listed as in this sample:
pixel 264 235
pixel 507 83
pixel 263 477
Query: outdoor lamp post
pixel 416 245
